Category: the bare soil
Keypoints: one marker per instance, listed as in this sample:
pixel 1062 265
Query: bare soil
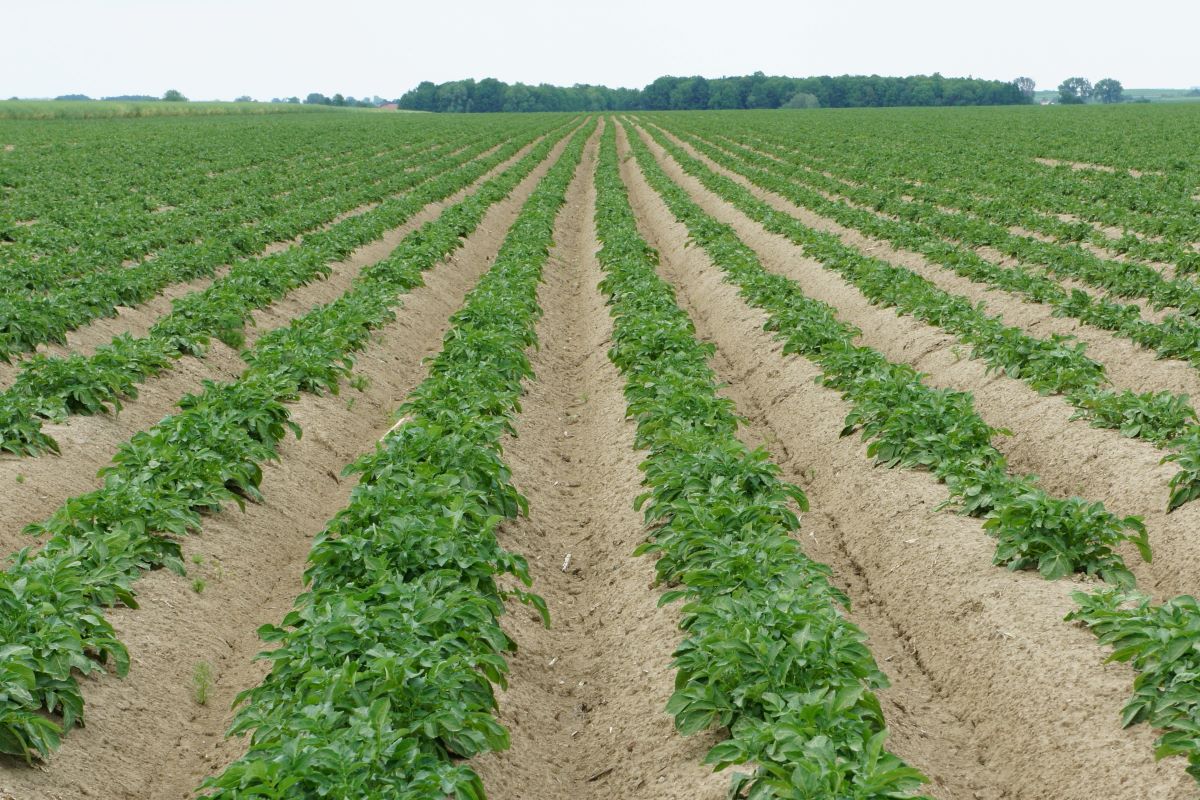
pixel 586 700
pixel 1083 165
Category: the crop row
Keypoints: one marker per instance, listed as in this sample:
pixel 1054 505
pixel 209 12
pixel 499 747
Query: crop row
pixel 383 676
pixel 1122 279
pixel 93 196
pixel 1056 365
pixel 911 424
pixel 244 210
pixel 32 319
pixel 54 387
pixel 1037 205
pixel 1035 211
pixel 939 212
pixel 992 166
pixel 918 427
pixel 768 653
pixel 1175 337
pixel 52 627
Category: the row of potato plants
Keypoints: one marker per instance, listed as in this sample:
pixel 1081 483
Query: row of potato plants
pixel 1155 209
pixel 1176 336
pixel 768 654
pixel 33 318
pixel 1054 365
pixel 1044 217
pixel 1121 279
pixel 915 426
pixel 1023 197
pixel 50 388
pixel 161 482
pixel 383 677
pixel 85 203
pixel 258 204
pixel 1160 642
pixel 911 424
pixel 47 185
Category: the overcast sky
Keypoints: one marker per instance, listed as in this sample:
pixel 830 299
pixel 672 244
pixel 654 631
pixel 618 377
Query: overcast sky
pixel 218 49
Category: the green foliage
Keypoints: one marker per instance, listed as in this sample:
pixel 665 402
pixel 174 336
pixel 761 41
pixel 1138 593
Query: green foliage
pixel 910 424
pixel 381 683
pixel 1055 365
pixel 696 92
pixel 202 679
pixel 196 461
pixel 1108 90
pixel 1074 91
pixel 1161 642
pixel 768 653
pixel 1033 531
pixel 51 388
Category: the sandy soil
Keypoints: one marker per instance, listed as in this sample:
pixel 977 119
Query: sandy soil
pixel 252 565
pixel 586 700
pixel 1083 165
pixel 985 640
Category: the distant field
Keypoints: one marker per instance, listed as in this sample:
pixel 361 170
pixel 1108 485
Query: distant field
pixel 88 109
pixel 1153 95
pixel 1164 95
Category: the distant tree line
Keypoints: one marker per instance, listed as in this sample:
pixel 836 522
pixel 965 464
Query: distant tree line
pixel 1076 91
pixel 748 91
pixel 318 99
pixel 175 96
pixel 171 96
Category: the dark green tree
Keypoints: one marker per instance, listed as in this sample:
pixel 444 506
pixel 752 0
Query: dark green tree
pixel 489 95
pixel 748 91
pixel 174 96
pixel 1026 87
pixel 690 93
pixel 422 98
pixel 1074 91
pixel 1108 90
pixel 657 96
pixel 723 93
pixel 455 97
pixel 518 97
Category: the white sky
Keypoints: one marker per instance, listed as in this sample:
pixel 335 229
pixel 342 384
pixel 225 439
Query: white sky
pixel 218 49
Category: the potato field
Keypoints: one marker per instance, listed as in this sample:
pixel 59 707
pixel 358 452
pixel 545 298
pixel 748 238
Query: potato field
pixel 838 455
